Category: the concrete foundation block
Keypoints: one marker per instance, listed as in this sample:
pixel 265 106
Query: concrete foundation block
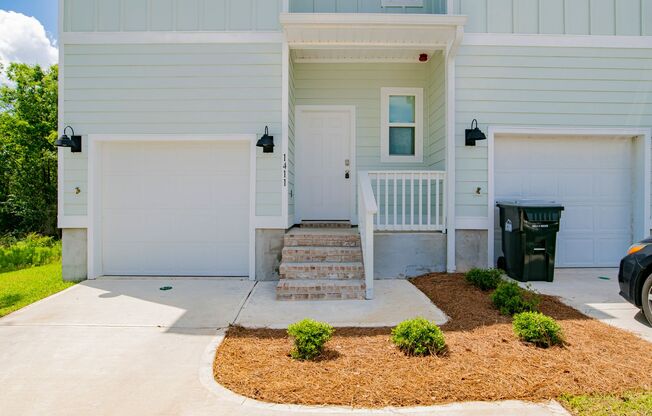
pixel 269 246
pixel 470 249
pixel 402 255
pixel 74 256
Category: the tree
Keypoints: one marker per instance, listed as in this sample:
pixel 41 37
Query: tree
pixel 28 157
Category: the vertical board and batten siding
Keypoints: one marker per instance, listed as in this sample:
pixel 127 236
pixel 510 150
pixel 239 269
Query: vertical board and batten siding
pixel 572 17
pixel 174 89
pixel 171 15
pixel 363 6
pixel 543 87
pixel 435 97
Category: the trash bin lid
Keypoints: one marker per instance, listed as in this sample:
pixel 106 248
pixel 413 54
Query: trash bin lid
pixel 529 203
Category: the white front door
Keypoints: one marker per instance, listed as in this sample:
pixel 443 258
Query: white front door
pixel 590 176
pixel 323 157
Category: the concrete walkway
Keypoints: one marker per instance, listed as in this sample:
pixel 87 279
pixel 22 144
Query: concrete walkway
pixel 124 347
pixel 595 293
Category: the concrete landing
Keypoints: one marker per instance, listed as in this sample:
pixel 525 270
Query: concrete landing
pixel 394 301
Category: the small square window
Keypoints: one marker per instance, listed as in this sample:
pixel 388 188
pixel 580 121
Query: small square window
pixel 402 125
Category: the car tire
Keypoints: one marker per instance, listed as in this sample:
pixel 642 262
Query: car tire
pixel 645 301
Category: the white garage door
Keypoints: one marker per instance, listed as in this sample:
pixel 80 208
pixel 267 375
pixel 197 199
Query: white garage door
pixel 174 209
pixel 590 176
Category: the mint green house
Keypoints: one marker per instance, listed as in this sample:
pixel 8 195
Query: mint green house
pixel 367 102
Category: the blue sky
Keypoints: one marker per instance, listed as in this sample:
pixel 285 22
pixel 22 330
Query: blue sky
pixel 44 10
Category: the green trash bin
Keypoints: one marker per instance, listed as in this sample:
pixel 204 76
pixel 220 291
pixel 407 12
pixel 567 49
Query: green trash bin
pixel 529 236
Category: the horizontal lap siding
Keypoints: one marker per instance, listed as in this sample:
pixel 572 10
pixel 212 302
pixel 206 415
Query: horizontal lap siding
pixel 576 17
pixel 173 89
pixel 550 87
pixel 435 152
pixel 359 85
pixel 171 15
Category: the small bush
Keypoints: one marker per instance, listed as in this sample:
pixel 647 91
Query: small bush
pixel 485 279
pixel 538 329
pixel 33 250
pixel 510 299
pixel 309 338
pixel 419 337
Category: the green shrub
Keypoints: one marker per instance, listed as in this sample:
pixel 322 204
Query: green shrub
pixel 309 338
pixel 485 279
pixel 33 250
pixel 510 299
pixel 538 329
pixel 419 337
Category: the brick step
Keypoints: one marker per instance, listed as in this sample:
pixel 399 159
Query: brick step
pixel 325 224
pixel 311 254
pixel 322 270
pixel 320 289
pixel 325 239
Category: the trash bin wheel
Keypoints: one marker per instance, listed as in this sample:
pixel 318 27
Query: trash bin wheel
pixel 501 263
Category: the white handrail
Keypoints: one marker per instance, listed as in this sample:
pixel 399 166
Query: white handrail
pixel 367 209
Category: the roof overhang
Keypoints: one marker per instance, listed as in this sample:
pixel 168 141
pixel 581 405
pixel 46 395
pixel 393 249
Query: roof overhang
pixel 370 37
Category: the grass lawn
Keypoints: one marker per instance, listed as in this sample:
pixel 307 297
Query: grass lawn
pixel 20 288
pixel 629 404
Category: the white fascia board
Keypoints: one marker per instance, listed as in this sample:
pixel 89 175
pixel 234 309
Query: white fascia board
pixel 570 41
pixel 82 38
pixel 335 20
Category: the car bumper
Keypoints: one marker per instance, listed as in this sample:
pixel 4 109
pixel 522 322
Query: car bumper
pixel 628 276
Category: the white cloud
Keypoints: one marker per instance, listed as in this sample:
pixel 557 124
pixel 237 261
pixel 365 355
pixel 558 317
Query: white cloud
pixel 23 39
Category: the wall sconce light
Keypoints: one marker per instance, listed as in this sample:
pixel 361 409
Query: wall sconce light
pixel 73 142
pixel 266 142
pixel 474 134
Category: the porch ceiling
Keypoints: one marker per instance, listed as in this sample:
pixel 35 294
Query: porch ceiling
pixel 329 37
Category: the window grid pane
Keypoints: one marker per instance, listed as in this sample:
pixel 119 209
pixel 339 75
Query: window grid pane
pixel 402 108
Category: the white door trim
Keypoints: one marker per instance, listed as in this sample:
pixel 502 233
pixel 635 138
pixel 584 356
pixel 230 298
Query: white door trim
pixel 94 142
pixel 299 109
pixel 643 134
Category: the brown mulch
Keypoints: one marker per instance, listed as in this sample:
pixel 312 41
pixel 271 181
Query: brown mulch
pixel 362 368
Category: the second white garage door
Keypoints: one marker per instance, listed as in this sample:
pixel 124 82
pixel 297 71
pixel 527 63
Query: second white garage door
pixel 175 209
pixel 590 176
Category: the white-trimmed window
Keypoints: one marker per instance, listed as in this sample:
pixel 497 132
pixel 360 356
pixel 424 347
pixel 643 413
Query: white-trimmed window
pixel 401 134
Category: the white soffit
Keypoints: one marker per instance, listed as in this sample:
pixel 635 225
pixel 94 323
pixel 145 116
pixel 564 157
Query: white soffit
pixel 402 55
pixel 362 30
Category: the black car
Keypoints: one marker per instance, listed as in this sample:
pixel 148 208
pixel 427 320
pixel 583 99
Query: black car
pixel 635 276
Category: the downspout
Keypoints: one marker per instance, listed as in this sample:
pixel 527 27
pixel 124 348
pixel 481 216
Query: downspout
pixel 451 53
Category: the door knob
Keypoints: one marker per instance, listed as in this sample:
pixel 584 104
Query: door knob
pixel 347 174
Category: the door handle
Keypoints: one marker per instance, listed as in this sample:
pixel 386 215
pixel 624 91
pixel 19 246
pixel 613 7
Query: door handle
pixel 347 174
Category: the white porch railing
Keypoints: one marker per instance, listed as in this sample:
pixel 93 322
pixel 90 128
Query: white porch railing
pixel 367 209
pixel 409 200
pixel 398 201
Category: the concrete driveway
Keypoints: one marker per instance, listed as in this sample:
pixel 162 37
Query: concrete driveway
pixel 124 347
pixel 595 293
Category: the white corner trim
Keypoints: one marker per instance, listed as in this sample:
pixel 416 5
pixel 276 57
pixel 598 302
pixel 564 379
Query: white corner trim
pixel 94 220
pixel 471 223
pixel 285 128
pixel 385 125
pixel 493 131
pixel 82 38
pixel 69 221
pixel 571 41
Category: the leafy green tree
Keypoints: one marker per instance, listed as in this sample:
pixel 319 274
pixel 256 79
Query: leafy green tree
pixel 28 157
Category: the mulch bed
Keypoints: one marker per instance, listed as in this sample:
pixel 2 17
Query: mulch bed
pixel 362 368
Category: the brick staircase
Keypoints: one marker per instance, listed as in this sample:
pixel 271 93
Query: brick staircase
pixel 321 261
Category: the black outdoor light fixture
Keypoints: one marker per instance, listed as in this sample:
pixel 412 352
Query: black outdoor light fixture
pixel 73 142
pixel 474 134
pixel 266 142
